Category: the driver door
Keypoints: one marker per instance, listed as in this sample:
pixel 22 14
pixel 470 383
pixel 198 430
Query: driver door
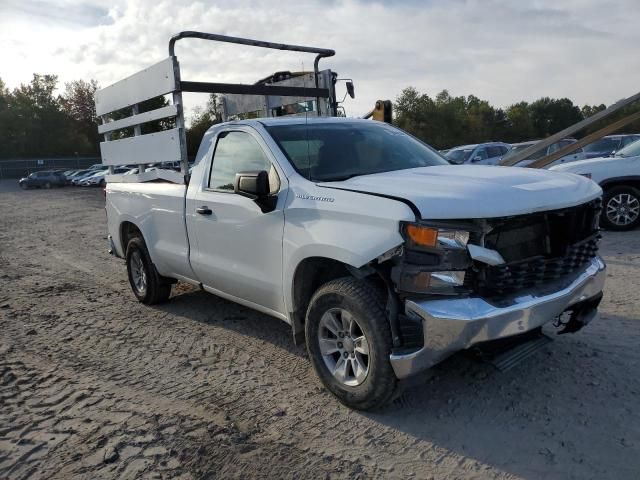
pixel 236 247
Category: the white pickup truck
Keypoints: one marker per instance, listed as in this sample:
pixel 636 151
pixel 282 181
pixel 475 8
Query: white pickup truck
pixel 381 256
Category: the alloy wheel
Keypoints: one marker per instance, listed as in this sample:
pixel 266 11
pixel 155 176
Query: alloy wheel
pixel 138 272
pixel 344 347
pixel 623 209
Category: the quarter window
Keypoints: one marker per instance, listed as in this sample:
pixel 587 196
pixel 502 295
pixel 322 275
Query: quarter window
pixel 238 152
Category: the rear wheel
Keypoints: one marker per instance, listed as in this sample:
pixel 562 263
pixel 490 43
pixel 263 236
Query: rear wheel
pixel 47 185
pixel 621 210
pixel 349 343
pixel 147 284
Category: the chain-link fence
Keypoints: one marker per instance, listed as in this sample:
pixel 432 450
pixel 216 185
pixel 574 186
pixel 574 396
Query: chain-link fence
pixel 21 168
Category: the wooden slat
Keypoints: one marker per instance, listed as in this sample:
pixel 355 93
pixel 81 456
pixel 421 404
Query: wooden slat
pixel 151 148
pixel 158 79
pixel 150 116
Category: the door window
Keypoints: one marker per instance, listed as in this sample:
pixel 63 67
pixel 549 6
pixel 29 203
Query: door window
pixel 495 151
pixel 482 153
pixel 238 152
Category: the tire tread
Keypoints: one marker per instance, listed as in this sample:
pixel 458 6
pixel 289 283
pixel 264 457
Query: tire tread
pixel 369 298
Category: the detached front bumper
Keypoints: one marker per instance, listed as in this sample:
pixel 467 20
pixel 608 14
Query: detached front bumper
pixel 454 324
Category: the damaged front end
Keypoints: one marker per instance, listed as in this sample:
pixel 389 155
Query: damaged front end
pixel 463 282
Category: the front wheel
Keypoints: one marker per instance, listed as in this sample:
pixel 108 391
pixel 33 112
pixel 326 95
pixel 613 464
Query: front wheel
pixel 47 185
pixel 147 284
pixel 24 185
pixel 349 342
pixel 621 209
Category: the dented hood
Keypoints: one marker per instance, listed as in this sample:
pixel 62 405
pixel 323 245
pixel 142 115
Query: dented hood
pixel 476 191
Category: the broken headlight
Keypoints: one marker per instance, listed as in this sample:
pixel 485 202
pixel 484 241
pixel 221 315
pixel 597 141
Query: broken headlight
pixel 435 260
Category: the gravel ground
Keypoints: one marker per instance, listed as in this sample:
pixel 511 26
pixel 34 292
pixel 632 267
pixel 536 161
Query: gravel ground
pixel 96 385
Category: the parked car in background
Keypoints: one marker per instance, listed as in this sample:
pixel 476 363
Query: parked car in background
pixel 619 177
pixel 78 179
pixel 71 174
pixel 518 147
pixel 98 166
pixel 607 146
pixel 98 179
pixel 44 179
pixel 479 154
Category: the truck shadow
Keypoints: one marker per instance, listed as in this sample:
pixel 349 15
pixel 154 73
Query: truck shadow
pixel 209 309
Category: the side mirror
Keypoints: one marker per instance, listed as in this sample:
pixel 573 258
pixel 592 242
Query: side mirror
pixel 254 185
pixel 351 89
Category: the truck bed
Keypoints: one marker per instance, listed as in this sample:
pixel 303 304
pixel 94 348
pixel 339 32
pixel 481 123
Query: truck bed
pixel 158 208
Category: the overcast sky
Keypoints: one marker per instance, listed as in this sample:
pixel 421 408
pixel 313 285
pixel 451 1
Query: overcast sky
pixel 501 51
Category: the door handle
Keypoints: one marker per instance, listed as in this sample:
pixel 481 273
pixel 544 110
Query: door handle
pixel 204 210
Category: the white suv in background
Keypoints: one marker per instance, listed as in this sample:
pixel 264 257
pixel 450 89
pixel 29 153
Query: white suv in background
pixel 478 154
pixel 619 177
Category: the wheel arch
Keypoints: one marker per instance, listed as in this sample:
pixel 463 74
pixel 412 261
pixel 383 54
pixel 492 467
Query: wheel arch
pixel 631 181
pixel 309 275
pixel 127 231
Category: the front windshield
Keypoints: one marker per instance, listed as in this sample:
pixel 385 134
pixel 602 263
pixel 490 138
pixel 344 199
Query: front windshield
pixel 603 145
pixel 459 155
pixel 631 150
pixel 337 151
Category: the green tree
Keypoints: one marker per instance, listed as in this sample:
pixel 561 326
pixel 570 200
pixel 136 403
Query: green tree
pixel 36 125
pixel 78 103
pixel 549 115
pixel 201 120
pixel 447 121
pixel 519 123
pixel 589 110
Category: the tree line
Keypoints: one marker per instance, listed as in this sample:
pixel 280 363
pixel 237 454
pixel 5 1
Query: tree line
pixel 446 121
pixel 37 122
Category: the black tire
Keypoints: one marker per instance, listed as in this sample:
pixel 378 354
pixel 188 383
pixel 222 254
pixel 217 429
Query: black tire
pixel 365 303
pixel 24 186
pixel 156 288
pixel 610 202
pixel 47 185
pixel 103 183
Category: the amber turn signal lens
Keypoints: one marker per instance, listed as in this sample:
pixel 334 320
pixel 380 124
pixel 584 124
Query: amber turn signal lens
pixel 423 236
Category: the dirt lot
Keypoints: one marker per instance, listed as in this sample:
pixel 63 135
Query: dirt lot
pixel 96 385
